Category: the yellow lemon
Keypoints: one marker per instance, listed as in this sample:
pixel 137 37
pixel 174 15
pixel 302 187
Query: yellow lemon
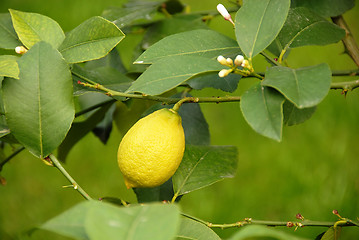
pixel 151 151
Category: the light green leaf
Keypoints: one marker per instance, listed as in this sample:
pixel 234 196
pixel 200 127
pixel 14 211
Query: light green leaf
pixel 305 87
pixel 8 37
pixel 256 231
pixel 203 43
pixel 204 165
pixel 39 106
pixel 331 234
pixel 303 27
pixel 8 66
pixel 150 221
pixel 170 72
pixel 93 39
pixel 33 27
pixel 194 230
pixel 258 22
pixel 262 109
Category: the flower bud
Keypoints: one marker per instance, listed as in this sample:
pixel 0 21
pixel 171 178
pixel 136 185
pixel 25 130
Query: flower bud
pixel 223 11
pixel 229 62
pixel 224 72
pixel 245 63
pixel 222 60
pixel 239 60
pixel 20 49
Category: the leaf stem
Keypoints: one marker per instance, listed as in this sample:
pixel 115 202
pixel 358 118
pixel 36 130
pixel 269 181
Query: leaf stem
pixel 57 164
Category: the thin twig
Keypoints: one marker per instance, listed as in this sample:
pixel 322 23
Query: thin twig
pixel 74 185
pixel 16 152
pixel 346 86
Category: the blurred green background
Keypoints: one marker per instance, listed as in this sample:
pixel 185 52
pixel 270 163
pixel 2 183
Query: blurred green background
pixel 313 170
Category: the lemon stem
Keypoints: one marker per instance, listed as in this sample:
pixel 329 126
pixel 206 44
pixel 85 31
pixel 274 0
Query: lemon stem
pixel 183 100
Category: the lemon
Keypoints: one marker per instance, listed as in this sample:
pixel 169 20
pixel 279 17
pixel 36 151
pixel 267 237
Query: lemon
pixel 152 149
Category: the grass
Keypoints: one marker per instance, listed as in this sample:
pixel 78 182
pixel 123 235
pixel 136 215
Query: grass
pixel 312 171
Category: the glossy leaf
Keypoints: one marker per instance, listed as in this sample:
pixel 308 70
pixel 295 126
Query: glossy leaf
pixel 262 109
pixel 33 27
pixel 8 36
pixel 293 115
pixel 39 106
pixel 204 165
pixel 191 229
pixel 303 27
pixel 256 231
pixel 258 22
pixel 93 39
pixel 325 8
pixel 97 220
pixel 81 129
pixel 170 72
pixel 305 87
pixel 8 66
pixel 212 80
pixel 204 43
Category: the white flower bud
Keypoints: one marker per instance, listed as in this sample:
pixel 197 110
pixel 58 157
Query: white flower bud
pixel 229 61
pixel 224 72
pixel 221 60
pixel 20 49
pixel 223 11
pixel 239 60
pixel 245 63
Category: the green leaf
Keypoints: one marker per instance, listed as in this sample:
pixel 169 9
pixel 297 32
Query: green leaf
pixel 305 87
pixel 156 194
pixel 39 106
pixel 258 22
pixel 81 129
pixel 262 109
pixel 293 115
pixel 106 76
pixel 4 129
pixel 331 234
pixel 8 36
pixel 203 43
pixel 112 60
pixel 204 165
pixel 325 8
pixel 191 229
pixel 8 66
pixel 92 39
pixel 227 84
pixel 170 72
pixel 97 220
pixel 33 27
pixel 303 27
pixel 256 231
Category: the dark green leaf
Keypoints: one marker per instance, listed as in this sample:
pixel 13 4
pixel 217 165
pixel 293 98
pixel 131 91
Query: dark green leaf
pixel 93 39
pixel 325 8
pixel 204 43
pixel 204 165
pixel 8 36
pixel 256 231
pixel 303 27
pixel 33 27
pixel 227 84
pixel 112 60
pixel 305 87
pixel 39 106
pixel 8 66
pixel 194 230
pixel 293 115
pixel 170 72
pixel 262 109
pixel 106 76
pixel 331 234
pixel 156 194
pixel 258 22
pixel 80 129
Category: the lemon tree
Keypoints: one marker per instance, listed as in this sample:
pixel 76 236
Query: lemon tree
pixel 56 87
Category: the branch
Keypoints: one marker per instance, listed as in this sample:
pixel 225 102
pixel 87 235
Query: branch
pixel 350 45
pixel 16 152
pixel 56 163
pixel 345 86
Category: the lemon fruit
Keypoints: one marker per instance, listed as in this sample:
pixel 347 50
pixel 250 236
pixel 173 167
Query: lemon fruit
pixel 152 149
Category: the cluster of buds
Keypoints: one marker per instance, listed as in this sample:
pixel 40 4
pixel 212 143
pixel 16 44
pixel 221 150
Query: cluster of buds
pixel 239 65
